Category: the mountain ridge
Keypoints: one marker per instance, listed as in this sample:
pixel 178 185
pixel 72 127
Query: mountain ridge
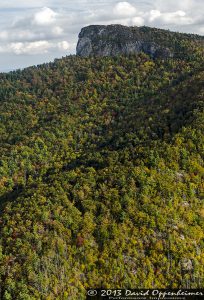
pixel 101 174
pixel 110 40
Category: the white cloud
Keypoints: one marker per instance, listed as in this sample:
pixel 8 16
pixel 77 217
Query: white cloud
pixel 201 30
pixel 57 31
pixel 45 16
pixel 154 14
pixel 22 3
pixel 174 5
pixel 124 9
pixel 37 47
pixel 175 18
pixel 64 45
pixel 40 25
pixel 25 35
pixel 33 48
pixel 3 35
pixel 137 21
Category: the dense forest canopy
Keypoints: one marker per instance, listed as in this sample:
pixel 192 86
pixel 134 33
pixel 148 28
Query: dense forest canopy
pixel 101 175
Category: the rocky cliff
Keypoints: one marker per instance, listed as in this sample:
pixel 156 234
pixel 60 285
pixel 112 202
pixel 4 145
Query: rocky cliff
pixel 100 40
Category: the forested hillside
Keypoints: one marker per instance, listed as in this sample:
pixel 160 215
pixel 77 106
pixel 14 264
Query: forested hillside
pixel 101 175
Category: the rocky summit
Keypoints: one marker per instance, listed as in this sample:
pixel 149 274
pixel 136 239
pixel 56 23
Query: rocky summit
pixel 100 40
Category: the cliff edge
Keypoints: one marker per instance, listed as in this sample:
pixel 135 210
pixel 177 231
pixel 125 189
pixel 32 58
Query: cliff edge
pixel 111 40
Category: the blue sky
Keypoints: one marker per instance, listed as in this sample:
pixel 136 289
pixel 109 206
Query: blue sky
pixel 33 32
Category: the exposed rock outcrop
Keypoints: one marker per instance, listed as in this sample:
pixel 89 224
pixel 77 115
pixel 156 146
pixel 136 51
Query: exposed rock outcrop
pixel 111 40
pixel 187 264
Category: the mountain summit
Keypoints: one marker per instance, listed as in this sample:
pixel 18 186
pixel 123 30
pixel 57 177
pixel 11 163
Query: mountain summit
pixel 101 40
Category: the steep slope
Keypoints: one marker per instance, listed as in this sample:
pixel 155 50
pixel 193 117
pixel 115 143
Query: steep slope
pixel 101 175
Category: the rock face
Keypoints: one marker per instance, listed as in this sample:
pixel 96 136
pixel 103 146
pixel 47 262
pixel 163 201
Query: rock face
pixel 187 264
pixel 100 40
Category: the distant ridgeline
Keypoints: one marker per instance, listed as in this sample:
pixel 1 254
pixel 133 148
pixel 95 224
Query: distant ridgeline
pixel 111 40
